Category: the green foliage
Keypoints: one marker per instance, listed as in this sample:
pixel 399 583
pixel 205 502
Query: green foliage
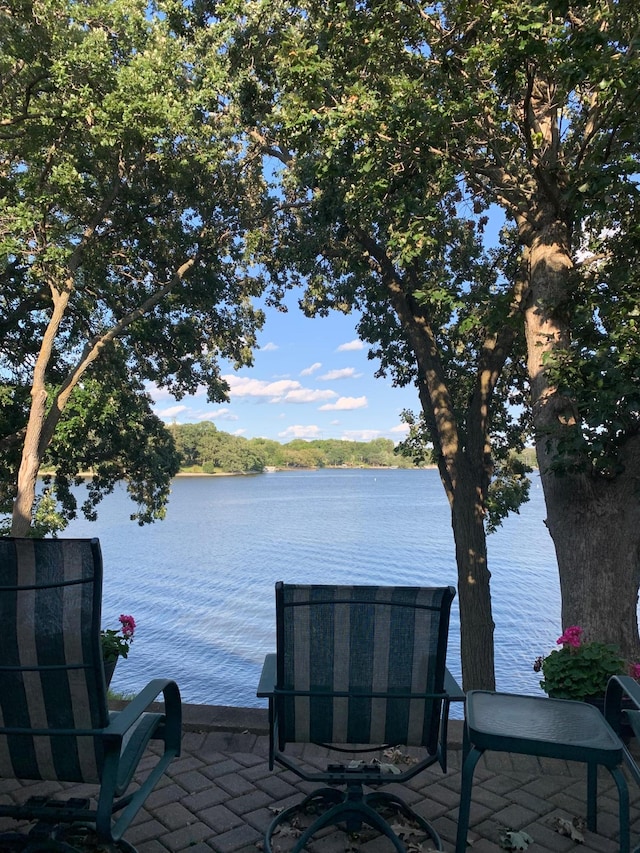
pixel 116 643
pixel 125 211
pixel 508 490
pixel 509 486
pixel 401 128
pixel 373 216
pixel 579 670
pixel 203 446
pixel 47 518
pixel 580 673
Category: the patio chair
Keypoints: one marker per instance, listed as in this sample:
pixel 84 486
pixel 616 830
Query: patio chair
pixel 549 728
pixel 358 669
pixel 54 721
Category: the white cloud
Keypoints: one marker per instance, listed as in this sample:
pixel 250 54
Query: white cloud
pixel 243 386
pixel 344 404
pixel 220 415
pixel 270 347
pixel 299 431
pixel 351 345
pixel 343 373
pixel 171 412
pixel 401 428
pixel 157 394
pixel 307 395
pixel 312 369
pixel 280 391
pixel 360 434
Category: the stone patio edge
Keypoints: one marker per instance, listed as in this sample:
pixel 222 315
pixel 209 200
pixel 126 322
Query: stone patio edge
pixel 225 718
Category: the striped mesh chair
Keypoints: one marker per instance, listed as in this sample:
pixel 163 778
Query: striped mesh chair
pixel 358 668
pixel 54 719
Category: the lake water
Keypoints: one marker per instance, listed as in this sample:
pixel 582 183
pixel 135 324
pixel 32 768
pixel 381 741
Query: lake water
pixel 200 584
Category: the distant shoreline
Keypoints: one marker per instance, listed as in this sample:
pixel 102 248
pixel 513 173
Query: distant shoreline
pixel 273 470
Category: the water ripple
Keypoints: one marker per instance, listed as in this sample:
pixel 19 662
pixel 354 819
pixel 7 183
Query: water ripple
pixel 200 583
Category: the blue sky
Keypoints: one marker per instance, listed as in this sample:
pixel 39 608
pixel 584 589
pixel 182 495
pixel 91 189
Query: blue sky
pixel 311 379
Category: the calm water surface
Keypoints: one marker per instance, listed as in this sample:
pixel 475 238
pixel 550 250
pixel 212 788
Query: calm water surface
pixel 200 583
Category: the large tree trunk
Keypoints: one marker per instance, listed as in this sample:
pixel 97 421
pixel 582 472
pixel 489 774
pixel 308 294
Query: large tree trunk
pixel 29 467
pixel 476 620
pixel 34 446
pixel 462 468
pixel 595 526
pixel 593 519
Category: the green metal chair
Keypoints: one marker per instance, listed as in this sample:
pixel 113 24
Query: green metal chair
pixel 358 668
pixel 54 720
pixel 550 728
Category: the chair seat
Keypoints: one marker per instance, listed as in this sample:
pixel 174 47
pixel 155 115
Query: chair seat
pixel 536 725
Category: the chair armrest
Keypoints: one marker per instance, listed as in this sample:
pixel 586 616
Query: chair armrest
pixel 452 688
pixel 267 681
pixel 139 704
pixel 623 694
pixel 622 703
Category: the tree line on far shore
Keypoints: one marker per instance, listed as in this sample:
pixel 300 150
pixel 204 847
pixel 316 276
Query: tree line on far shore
pixel 205 449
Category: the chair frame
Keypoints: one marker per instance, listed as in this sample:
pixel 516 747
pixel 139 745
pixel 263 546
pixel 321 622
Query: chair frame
pixel 115 808
pixel 354 806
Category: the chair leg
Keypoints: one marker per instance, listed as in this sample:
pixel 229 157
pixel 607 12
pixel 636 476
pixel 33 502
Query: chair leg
pixel 399 804
pixel 468 767
pixel 331 795
pixel 353 808
pixel 592 797
pixel 623 797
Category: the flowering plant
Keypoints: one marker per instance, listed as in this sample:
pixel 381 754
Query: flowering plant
pixel 580 670
pixel 116 643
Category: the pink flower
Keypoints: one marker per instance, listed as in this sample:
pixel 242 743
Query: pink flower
pixel 634 670
pixel 572 637
pixel 128 625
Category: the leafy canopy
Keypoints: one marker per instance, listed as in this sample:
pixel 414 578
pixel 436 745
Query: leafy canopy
pixel 125 208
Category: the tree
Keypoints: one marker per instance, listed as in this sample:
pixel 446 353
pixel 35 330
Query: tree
pixel 397 122
pixel 543 120
pixel 125 202
pixel 367 217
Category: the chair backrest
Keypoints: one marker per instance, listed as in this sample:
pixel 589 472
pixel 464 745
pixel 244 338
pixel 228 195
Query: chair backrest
pixel 361 664
pixel 52 690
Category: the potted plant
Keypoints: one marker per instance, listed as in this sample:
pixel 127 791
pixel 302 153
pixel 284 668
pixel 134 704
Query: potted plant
pixel 116 644
pixel 579 670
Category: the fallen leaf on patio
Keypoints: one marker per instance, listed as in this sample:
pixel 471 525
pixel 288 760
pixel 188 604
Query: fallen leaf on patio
pixel 388 768
pixel 571 828
pixel 288 831
pixel 400 829
pixel 396 756
pixel 511 840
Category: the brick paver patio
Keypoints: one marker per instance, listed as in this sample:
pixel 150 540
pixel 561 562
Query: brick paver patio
pixel 220 796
